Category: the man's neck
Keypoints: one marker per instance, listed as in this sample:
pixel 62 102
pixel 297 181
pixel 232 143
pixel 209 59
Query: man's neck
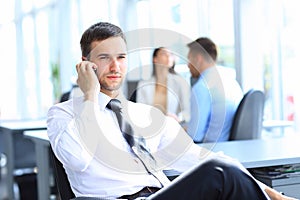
pixel 206 66
pixel 111 93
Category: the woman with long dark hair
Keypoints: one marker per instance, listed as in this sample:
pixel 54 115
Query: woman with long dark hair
pixel 165 89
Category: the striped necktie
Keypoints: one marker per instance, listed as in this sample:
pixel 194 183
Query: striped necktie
pixel 137 143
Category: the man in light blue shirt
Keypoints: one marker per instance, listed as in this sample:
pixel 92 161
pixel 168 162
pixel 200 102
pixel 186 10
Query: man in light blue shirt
pixel 214 97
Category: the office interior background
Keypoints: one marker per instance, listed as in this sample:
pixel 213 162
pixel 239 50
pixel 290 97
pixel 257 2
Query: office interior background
pixel 257 39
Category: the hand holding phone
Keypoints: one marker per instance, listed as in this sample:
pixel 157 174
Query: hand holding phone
pixel 95 70
pixel 87 81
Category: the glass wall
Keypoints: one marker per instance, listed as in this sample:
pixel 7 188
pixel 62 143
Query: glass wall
pixel 40 45
pixel 39 51
pixel 290 49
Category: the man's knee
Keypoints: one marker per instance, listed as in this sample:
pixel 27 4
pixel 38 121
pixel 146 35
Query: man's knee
pixel 215 166
pixel 220 171
pixel 233 182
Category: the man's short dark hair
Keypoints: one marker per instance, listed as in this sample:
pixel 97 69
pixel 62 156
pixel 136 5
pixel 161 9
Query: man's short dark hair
pixel 205 46
pixel 98 32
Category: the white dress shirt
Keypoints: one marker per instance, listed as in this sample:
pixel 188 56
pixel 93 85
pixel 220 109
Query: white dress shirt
pixel 86 138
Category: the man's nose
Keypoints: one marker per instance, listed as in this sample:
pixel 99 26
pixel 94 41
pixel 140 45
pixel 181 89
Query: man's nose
pixel 114 65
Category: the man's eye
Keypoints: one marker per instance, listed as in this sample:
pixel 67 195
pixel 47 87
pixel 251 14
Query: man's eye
pixel 104 57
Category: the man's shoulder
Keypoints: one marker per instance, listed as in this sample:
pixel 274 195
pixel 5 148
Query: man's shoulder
pixel 143 115
pixel 143 109
pixel 67 105
pixel 200 85
pixel 137 106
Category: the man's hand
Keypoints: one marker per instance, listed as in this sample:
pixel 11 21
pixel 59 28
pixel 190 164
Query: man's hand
pixel 87 80
pixel 274 195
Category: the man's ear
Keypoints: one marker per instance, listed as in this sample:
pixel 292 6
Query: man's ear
pixel 83 58
pixel 199 58
pixel 196 60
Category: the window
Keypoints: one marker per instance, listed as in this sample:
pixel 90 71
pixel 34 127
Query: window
pixel 41 45
pixel 40 51
pixel 8 75
pixel 290 51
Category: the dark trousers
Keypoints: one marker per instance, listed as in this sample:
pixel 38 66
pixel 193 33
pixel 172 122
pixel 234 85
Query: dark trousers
pixel 212 180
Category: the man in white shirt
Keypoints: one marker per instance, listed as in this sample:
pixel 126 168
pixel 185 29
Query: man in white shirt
pixel 85 136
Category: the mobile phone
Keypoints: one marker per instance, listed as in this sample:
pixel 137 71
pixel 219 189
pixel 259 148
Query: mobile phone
pixel 95 70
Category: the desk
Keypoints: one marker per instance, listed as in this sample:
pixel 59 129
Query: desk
pixel 260 153
pixel 11 133
pixel 265 153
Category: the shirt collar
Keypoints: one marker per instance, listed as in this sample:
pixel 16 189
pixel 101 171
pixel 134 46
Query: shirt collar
pixel 206 71
pixel 103 100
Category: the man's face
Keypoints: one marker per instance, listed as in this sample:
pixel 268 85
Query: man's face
pixel 193 64
pixel 111 58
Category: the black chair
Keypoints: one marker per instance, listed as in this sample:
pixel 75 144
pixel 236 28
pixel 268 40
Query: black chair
pixel 24 168
pixel 247 122
pixel 62 183
pixel 131 90
pixel 65 96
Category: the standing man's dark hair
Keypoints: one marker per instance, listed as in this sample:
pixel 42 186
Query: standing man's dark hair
pixel 205 46
pixel 98 32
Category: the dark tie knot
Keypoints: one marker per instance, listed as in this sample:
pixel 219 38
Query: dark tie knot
pixel 114 105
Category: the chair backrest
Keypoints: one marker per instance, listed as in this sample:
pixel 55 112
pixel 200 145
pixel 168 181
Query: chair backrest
pixel 62 183
pixel 247 122
pixel 131 90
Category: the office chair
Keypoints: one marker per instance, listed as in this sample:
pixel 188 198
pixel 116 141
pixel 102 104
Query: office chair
pixel 131 90
pixel 247 122
pixel 62 183
pixel 65 96
pixel 74 92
